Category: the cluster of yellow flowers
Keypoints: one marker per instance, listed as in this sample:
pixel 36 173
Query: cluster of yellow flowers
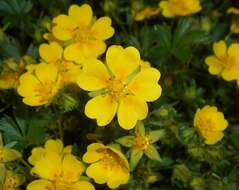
pixel 59 169
pixel 124 84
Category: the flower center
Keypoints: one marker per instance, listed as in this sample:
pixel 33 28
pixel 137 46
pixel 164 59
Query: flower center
pixel 141 142
pixel 116 88
pixel 204 124
pixel 60 184
pixel 83 35
pixel 227 61
pixel 45 90
pixel 10 183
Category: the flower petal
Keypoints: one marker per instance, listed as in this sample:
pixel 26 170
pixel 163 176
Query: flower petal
pixel 220 48
pixel 83 185
pixel 98 172
pixel 49 167
pixel 81 15
pixel 40 184
pixel 64 27
pixel 37 154
pixel 215 65
pixel 72 168
pixel 27 85
pixel 35 101
pixel 233 51
pixel 50 52
pixel 101 29
pixel 122 62
pixel 54 146
pixel 94 77
pixel 145 85
pixel 101 108
pixel 164 5
pixel 46 72
pixel 131 109
pixel 212 137
pixel 74 52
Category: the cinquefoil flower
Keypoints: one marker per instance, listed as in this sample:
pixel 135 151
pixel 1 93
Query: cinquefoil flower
pixel 147 12
pixel 210 123
pixel 40 85
pixel 59 173
pixel 122 87
pixel 225 62
pixel 52 53
pixel 84 36
pixel 108 165
pixel 172 8
pixel 50 146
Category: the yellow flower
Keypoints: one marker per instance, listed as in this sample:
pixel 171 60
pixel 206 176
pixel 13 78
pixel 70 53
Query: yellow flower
pixel 108 165
pixel 121 88
pixel 52 53
pixel 11 180
pixel 233 10
pixel 38 87
pixel 50 146
pixel 144 64
pixel 210 123
pixel 172 8
pixel 7 154
pixel 84 35
pixel 58 172
pixel 225 62
pixel 146 13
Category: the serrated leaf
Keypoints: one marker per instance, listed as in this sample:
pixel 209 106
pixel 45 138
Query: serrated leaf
pixel 135 157
pixel 163 35
pixel 152 153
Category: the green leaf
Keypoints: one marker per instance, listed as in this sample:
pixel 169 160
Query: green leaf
pixel 183 27
pixel 152 153
pixel 140 128
pixel 126 141
pixel 163 35
pixel 181 173
pixel 154 136
pixel 135 157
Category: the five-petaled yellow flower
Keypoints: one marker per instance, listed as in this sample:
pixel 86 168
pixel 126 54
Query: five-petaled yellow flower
pixel 121 87
pixel 40 85
pixel 108 165
pixel 52 53
pixel 172 8
pixel 50 146
pixel 59 172
pixel 210 123
pixel 225 62
pixel 84 36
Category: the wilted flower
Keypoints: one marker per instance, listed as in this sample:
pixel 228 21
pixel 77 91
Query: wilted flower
pixel 108 165
pixel 11 180
pixel 210 123
pixel 121 87
pixel 172 8
pixel 142 143
pixel 225 62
